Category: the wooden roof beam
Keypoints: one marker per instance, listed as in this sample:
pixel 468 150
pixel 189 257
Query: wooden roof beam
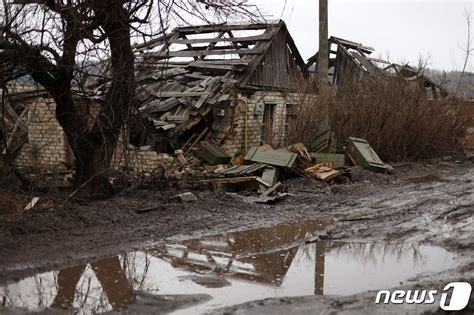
pixel 211 45
pixel 225 27
pixel 190 47
pixel 193 53
pixel 245 39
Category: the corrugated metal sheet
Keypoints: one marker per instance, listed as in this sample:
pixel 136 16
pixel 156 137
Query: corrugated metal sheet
pixel 244 169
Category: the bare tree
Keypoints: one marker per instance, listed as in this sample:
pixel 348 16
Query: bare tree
pixel 468 50
pixel 54 40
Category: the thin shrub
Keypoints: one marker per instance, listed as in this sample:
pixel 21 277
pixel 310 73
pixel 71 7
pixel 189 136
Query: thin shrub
pixel 396 118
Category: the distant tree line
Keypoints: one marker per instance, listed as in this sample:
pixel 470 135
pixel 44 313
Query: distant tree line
pixel 449 79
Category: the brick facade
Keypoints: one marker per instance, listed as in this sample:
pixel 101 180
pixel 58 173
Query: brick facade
pixel 248 128
pixel 47 148
pixel 139 160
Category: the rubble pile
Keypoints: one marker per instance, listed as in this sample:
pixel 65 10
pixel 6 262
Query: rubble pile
pixel 264 169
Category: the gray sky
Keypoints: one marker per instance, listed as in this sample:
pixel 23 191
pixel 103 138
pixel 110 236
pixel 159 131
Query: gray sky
pixel 403 29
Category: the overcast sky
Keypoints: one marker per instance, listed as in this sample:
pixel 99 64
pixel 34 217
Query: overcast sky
pixel 404 29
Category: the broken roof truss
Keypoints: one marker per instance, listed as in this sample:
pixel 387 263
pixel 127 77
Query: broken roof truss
pixel 350 60
pixel 184 75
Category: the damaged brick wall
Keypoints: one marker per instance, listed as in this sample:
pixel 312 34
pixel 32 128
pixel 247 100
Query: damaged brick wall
pixel 249 121
pixel 139 160
pixel 46 148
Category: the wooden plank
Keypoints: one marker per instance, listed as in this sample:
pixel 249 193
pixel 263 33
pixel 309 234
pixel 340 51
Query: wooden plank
pixel 211 45
pixel 230 180
pixel 271 157
pixel 371 68
pixel 351 57
pixel 190 47
pixel 196 141
pixel 255 38
pixel 256 61
pixel 159 106
pixel 197 53
pixel 270 190
pixel 234 62
pixel 350 44
pixel 294 50
pixel 211 66
pixel 152 43
pixel 18 136
pixel 196 76
pixel 180 94
pixel 224 27
pixel 201 101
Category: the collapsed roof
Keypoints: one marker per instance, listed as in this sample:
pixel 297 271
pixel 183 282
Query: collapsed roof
pixel 184 75
pixel 349 61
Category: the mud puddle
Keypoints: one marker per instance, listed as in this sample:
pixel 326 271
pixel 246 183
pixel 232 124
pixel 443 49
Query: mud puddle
pixel 199 275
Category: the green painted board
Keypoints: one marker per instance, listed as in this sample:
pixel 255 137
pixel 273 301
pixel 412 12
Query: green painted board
pixel 325 142
pixel 362 153
pixel 212 154
pixel 338 160
pixel 271 157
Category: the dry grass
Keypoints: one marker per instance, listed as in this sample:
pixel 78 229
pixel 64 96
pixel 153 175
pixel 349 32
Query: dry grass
pixel 399 122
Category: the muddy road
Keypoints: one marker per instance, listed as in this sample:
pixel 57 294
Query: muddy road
pixel 323 249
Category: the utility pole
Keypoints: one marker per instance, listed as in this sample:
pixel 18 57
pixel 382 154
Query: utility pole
pixel 323 56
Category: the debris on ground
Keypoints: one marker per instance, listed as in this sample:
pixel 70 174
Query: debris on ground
pixel 263 170
pixel 186 197
pixel 271 200
pixel 31 204
pixel 325 142
pixel 337 160
pixel 180 157
pixel 361 153
pixel 324 171
pixel 206 165
pixel 212 154
pixel 260 171
pixel 270 156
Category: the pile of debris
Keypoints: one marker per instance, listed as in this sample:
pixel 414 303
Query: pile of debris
pixel 262 169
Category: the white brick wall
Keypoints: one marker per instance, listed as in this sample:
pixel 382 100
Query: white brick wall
pixel 239 140
pixel 46 147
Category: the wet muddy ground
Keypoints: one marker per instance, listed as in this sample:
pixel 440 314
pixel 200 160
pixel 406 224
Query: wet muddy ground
pixel 322 249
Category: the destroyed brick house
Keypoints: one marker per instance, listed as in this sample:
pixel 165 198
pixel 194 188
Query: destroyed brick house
pixel 233 85
pixel 229 84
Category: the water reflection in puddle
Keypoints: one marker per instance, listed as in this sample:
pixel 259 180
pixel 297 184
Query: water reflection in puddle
pixel 231 268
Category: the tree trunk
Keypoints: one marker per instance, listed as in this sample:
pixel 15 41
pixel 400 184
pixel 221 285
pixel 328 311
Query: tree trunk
pixel 94 148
